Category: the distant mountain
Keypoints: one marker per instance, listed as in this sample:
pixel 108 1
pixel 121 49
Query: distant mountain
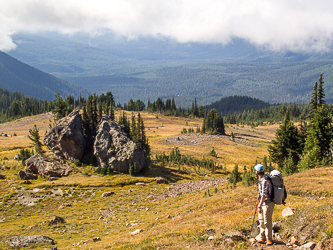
pixel 18 76
pixel 231 104
pixel 146 68
pixel 83 55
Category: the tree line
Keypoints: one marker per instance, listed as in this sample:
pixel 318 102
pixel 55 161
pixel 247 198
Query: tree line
pixel 307 145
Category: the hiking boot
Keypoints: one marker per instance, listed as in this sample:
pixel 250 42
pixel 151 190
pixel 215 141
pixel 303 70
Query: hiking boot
pixel 269 242
pixel 262 241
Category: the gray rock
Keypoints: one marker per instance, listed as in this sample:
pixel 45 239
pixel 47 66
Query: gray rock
pixel 288 211
pixel 307 246
pixel 24 241
pixel 276 226
pixel 66 137
pixel 161 180
pixel 114 147
pixel 26 176
pixel 56 220
pixel 106 194
pixel 47 167
pixel 16 157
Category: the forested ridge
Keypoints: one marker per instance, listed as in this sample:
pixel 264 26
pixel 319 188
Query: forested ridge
pixel 18 76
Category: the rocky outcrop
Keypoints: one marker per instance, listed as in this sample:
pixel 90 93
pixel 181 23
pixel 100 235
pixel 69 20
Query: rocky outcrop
pixel 112 146
pixel 47 167
pixel 24 241
pixel 26 176
pixel 66 137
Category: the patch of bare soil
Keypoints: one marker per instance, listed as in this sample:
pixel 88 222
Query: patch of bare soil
pixel 29 197
pixel 23 121
pixel 197 139
pixel 188 187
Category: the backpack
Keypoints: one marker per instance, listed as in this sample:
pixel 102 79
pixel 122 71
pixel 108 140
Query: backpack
pixel 279 192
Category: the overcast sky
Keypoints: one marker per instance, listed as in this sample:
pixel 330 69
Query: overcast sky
pixel 297 25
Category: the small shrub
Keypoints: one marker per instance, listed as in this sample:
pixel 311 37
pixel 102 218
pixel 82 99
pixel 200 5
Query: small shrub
pixel 5 158
pixel 212 152
pixel 78 163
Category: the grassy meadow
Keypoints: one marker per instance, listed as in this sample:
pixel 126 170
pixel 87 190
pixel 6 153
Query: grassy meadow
pixel 182 221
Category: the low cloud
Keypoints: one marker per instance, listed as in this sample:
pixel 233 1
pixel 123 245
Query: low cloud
pixel 300 26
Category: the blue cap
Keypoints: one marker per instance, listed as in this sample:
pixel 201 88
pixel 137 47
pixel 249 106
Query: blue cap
pixel 259 168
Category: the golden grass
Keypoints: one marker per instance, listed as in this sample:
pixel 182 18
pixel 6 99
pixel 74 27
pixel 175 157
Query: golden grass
pixel 174 223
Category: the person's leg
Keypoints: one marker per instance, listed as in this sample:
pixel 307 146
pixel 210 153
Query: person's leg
pixel 268 220
pixel 262 225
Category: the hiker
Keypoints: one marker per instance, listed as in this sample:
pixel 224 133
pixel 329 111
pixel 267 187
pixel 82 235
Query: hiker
pixel 265 205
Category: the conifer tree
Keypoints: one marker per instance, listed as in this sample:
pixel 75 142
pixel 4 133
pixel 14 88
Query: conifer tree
pixel 320 92
pixel 35 138
pixel 112 116
pixel 314 100
pixel 60 107
pixel 287 140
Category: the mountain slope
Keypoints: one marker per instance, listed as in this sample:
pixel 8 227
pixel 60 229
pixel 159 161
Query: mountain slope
pixel 18 76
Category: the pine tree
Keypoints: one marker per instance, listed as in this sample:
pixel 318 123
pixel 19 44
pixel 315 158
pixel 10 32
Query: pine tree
pixel 320 92
pixel 60 107
pixel 287 140
pixel 35 138
pixel 319 132
pixel 112 116
pixel 234 176
pixel 314 101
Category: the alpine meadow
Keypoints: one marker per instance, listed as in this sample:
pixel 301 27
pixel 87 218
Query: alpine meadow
pixel 157 125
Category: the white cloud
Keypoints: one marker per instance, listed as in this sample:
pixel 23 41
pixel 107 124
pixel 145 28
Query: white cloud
pixel 297 25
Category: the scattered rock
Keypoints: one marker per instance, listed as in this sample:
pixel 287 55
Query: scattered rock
pixel 2 168
pixel 26 176
pixel 234 235
pixel 47 167
pixel 24 241
pixel 307 246
pixel 161 180
pixel 16 157
pixel 276 226
pixel 288 211
pixel 92 240
pixel 252 240
pixel 293 240
pixel 113 147
pixel 2 177
pixel 66 137
pixel 106 194
pixel 212 238
pixel 26 182
pixel 56 220
pixel 169 216
pixel 62 206
pixel 30 227
pixel 136 232
pixel 140 184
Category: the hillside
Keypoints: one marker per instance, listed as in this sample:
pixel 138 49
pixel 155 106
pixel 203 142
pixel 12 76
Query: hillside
pixel 18 76
pixel 180 215
pixel 152 68
pixel 231 104
pixel 273 83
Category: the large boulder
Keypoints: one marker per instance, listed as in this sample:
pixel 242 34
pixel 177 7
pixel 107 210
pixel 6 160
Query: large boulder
pixel 47 167
pixel 66 137
pixel 112 146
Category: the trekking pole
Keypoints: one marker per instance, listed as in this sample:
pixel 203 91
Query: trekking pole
pixel 255 211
